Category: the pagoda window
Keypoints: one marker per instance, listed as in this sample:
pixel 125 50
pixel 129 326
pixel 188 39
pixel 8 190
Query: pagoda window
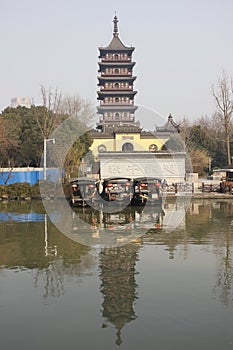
pixel 153 148
pixel 117 99
pixel 102 148
pixel 116 85
pixel 116 57
pixel 125 114
pixel 117 116
pixel 127 147
pixel 116 71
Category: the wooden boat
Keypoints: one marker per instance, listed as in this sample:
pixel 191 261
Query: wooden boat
pixel 147 190
pixel 84 192
pixel 117 189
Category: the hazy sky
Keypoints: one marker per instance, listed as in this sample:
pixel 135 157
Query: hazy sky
pixel 182 47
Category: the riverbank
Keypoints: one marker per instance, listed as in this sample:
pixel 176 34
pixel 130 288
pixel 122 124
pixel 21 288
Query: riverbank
pixel 200 195
pixel 25 191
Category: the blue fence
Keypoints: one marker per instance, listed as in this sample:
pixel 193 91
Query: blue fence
pixel 30 176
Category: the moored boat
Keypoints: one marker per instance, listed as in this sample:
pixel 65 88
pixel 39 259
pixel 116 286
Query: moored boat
pixel 84 192
pixel 119 190
pixel 147 190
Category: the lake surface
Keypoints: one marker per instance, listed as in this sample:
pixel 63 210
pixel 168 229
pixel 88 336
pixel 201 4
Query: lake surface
pixel 170 289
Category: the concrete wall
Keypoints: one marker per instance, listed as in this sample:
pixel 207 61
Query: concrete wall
pixel 169 166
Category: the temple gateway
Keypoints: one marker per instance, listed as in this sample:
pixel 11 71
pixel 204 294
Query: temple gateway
pixel 120 145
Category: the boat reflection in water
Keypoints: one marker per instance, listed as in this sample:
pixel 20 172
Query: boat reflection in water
pixel 125 225
pixel 117 228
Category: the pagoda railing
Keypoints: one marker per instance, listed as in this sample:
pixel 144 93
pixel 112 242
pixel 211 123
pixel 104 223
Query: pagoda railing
pixel 117 104
pixel 116 59
pixel 129 74
pixel 130 88
pixel 109 119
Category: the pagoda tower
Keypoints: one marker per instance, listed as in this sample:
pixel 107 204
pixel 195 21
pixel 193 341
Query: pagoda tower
pixel 116 92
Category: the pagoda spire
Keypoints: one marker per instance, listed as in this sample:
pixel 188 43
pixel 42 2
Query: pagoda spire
pixel 115 30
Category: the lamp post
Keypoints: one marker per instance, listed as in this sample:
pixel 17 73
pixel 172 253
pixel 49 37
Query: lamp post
pixel 45 154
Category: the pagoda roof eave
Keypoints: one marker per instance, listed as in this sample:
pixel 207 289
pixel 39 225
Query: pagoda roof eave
pixel 117 106
pixel 170 126
pixel 101 135
pixel 113 64
pixel 116 45
pixel 122 129
pixel 115 93
pixel 111 49
pixel 117 78
pixel 109 108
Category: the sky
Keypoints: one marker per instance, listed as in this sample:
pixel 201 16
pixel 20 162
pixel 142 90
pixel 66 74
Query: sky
pixel 181 49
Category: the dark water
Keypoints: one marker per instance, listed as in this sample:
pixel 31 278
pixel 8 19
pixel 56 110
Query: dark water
pixel 167 290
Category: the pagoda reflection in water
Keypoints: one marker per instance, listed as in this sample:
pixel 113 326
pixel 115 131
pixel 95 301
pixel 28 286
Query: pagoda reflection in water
pixel 118 286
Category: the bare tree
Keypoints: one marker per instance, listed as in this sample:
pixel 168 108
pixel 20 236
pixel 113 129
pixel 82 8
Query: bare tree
pixel 51 103
pixel 74 106
pixel 223 95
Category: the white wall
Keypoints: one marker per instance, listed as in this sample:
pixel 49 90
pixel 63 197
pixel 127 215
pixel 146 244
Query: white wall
pixel 130 165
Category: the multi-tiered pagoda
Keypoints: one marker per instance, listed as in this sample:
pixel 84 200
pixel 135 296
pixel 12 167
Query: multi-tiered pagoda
pixel 120 146
pixel 116 93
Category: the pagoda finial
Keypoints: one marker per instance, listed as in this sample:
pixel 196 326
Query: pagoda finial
pixel 115 21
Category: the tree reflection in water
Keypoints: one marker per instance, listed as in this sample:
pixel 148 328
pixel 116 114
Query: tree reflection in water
pixel 224 284
pixel 28 240
pixel 65 258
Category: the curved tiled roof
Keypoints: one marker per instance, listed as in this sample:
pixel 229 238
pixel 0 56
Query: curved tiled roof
pixel 116 45
pixel 169 126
